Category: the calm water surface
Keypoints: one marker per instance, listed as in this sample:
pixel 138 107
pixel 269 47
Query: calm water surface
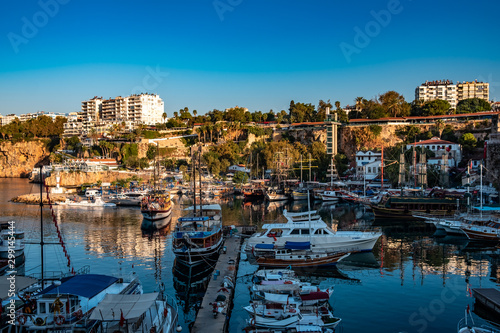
pixel 412 282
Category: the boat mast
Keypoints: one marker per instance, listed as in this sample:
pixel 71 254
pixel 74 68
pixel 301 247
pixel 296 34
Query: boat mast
pixel 41 221
pixel 194 180
pixel 199 173
pixel 382 170
pixel 481 187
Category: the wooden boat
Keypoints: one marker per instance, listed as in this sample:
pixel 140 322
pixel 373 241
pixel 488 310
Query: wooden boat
pixel 156 207
pixel 488 231
pixel 283 257
pixel 405 207
pixel 199 238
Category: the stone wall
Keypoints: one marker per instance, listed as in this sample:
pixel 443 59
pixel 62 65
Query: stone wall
pixel 18 159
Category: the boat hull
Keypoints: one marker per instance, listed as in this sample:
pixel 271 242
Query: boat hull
pixel 156 215
pixel 194 256
pixel 329 260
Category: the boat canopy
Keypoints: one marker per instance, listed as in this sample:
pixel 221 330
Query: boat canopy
pixel 205 207
pixel 264 246
pixel 132 306
pixel 193 219
pixel 276 298
pixel 85 285
pixel 297 245
pixel 318 295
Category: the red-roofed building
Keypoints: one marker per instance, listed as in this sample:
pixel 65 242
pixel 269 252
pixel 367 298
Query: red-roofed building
pixel 440 148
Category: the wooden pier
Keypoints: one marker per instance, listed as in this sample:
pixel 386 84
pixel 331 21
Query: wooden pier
pixel 488 297
pixel 227 266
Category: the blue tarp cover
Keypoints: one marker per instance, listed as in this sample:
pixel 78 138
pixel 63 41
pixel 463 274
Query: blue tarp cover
pixel 297 245
pixel 85 285
pixel 264 246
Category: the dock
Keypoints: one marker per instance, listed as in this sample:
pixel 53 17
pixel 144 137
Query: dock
pixel 488 297
pixel 225 269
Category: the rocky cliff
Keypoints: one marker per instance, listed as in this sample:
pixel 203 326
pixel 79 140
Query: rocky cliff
pixel 70 179
pixel 18 159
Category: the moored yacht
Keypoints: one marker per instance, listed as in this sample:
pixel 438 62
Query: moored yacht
pixel 308 227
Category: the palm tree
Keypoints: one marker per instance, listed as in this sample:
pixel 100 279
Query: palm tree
pixel 164 116
pixel 195 113
pixel 359 103
pixel 93 135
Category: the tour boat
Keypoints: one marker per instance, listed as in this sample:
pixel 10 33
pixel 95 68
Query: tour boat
pixel 156 207
pixel 308 230
pixel 66 304
pixel 136 313
pixel 198 237
pixel 331 196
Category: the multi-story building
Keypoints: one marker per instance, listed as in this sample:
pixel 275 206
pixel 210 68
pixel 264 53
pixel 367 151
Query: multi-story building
pixel 440 89
pixel 331 132
pixel 145 109
pixel 473 89
pixel 92 109
pixel 368 164
pixel 8 119
pixel 440 148
pixel 74 125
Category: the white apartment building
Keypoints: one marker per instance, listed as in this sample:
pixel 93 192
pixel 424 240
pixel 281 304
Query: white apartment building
pixel 92 109
pixel 473 89
pixel 440 148
pixel 145 109
pixel 440 89
pixel 368 164
pixel 8 119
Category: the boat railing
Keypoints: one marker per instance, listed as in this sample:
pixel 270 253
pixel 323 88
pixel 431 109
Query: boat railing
pixel 469 322
pixel 57 275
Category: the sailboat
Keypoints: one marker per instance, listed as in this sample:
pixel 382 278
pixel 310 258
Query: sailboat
pixel 64 303
pixel 156 207
pixel 198 235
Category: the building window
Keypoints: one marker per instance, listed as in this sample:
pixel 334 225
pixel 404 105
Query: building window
pixel 369 170
pixel 433 147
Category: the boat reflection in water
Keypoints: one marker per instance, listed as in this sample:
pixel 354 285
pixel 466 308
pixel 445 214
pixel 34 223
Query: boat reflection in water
pixel 190 284
pixel 150 226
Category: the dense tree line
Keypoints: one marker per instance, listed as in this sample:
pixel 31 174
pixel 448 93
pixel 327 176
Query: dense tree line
pixel 40 127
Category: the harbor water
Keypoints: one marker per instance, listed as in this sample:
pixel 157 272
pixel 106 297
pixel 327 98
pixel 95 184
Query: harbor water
pixel 414 281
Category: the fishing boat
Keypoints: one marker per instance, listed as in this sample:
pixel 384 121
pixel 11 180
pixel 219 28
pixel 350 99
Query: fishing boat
pixel 198 236
pixel 308 231
pixel 330 196
pixel 151 312
pixel 486 231
pixel 157 207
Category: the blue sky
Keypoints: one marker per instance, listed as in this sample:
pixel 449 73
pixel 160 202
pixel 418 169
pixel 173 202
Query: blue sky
pixel 252 53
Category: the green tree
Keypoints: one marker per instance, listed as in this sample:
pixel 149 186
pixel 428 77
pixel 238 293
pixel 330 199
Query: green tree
pixel 151 152
pixel 473 105
pixel 394 104
pixel 468 142
pixel 240 177
pixel 435 107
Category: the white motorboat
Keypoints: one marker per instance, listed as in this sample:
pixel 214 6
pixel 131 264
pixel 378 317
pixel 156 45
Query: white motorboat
pixel 308 227
pixel 331 196
pixel 136 313
pixel 11 242
pixel 94 202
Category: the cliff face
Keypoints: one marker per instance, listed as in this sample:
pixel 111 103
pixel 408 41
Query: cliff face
pixel 69 179
pixel 18 159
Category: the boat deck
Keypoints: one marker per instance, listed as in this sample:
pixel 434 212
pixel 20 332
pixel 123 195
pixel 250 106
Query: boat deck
pixel 227 265
pixel 488 297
